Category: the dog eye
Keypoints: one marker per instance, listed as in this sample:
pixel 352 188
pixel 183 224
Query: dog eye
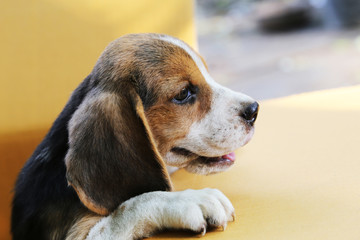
pixel 184 95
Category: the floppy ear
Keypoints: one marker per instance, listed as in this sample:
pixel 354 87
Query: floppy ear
pixel 112 156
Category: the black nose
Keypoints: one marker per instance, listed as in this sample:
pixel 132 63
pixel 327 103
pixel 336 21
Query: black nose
pixel 250 113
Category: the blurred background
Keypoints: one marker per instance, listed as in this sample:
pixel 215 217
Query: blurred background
pixel 266 49
pixel 275 48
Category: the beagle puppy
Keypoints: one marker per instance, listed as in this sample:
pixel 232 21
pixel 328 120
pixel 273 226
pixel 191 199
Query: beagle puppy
pixel 101 171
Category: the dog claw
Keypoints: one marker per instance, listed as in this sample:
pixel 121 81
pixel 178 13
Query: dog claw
pixel 224 226
pixel 233 217
pixel 202 231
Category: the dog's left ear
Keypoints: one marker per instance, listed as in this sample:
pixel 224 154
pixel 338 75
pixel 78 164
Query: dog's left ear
pixel 112 156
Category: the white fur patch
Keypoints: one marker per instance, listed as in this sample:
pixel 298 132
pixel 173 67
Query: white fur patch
pixel 142 215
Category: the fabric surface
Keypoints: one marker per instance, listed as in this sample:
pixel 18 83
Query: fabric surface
pixel 299 178
pixel 47 48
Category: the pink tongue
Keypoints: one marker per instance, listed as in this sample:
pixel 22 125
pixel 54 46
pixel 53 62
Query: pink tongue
pixel 230 156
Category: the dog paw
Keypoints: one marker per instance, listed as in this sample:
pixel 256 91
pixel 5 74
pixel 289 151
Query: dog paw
pixel 141 216
pixel 197 210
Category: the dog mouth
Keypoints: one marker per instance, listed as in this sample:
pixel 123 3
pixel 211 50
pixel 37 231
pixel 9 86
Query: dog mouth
pixel 224 160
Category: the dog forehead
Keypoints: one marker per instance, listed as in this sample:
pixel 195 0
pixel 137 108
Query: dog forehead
pixel 159 65
pixel 195 57
pixel 169 65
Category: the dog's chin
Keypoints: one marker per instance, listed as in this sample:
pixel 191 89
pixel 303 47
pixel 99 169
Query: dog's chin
pixel 205 165
pixel 200 164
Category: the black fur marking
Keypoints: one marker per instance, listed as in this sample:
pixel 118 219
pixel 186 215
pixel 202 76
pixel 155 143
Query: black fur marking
pixel 42 183
pixel 149 52
pixel 147 95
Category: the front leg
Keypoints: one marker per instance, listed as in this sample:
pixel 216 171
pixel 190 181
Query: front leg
pixel 145 214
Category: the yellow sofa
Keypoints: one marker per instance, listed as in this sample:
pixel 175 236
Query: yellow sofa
pixel 47 48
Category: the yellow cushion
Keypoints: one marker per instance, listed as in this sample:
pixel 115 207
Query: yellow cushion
pixel 48 47
pixel 299 178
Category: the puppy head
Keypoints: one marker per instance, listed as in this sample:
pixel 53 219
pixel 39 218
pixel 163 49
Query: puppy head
pixel 196 123
pixel 151 102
